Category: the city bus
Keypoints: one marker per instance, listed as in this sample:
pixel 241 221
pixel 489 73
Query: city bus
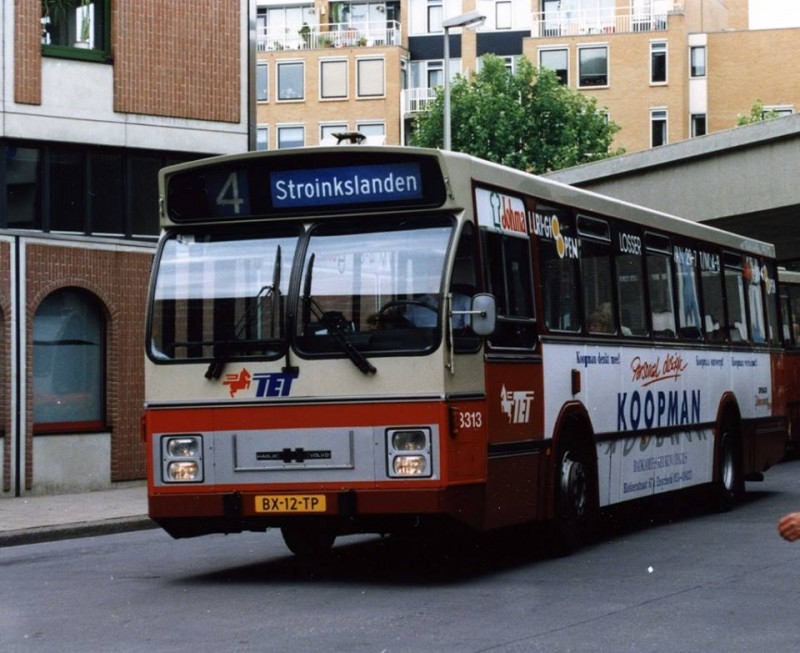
pixel 358 339
pixel 789 394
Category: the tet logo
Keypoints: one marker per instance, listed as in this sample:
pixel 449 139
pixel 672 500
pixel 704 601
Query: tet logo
pixel 268 384
pixel 516 404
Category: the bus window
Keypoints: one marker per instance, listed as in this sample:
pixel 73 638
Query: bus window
pixel 769 275
pixel 688 306
pixel 597 287
pixel 630 284
pixel 755 298
pixel 713 296
pixel 659 285
pixel 734 294
pixel 509 274
pixel 463 286
pixel 558 264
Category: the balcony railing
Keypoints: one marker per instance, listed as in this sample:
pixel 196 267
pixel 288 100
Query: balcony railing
pixel 579 22
pixel 329 35
pixel 416 100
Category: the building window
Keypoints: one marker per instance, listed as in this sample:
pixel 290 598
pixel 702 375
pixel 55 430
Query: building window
pixel 593 66
pixel 776 111
pixel 697 57
pixel 262 138
pixel 290 81
pixel 76 29
pixel 375 131
pixel 289 137
pixel 333 79
pixel 262 82
pixel 658 127
pixel 435 74
pixel 557 61
pixel 69 362
pixel 698 124
pixel 435 15
pixel 658 63
pixel 502 14
pixel 327 132
pixel 370 77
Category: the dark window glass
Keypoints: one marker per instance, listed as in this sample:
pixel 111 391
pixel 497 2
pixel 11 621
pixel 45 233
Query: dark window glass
pixel 23 187
pixel 67 191
pixel 144 195
pixel 106 197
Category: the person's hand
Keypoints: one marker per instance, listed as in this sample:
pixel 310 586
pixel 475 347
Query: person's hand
pixel 789 526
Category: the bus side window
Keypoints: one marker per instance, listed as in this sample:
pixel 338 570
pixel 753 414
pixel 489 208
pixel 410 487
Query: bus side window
pixel 559 272
pixel 630 290
pixel 735 297
pixel 463 286
pixel 713 296
pixel 688 305
pixel 659 283
pixel 755 299
pixel 597 287
pixel 508 270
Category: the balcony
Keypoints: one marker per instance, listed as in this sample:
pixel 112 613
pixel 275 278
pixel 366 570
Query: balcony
pixel 582 22
pixel 416 100
pixel 329 35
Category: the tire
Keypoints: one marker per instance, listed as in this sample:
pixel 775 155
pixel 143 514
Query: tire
pixel 575 502
pixel 311 542
pixel 730 481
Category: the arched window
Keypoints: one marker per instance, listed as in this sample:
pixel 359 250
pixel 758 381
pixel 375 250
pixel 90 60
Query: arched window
pixel 69 362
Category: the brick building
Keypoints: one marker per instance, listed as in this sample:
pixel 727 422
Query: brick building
pixel 96 96
pixel 665 70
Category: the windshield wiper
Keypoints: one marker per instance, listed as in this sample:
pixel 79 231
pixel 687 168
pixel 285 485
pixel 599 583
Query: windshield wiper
pixel 333 327
pixel 224 348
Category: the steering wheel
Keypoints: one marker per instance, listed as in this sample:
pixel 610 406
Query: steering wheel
pixel 394 313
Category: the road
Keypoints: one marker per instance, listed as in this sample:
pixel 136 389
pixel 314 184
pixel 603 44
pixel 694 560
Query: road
pixel 706 582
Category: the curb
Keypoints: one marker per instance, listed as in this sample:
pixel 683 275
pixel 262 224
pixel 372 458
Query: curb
pixel 76 530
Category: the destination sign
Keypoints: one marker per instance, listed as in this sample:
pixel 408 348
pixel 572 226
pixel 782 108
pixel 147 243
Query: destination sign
pixel 276 184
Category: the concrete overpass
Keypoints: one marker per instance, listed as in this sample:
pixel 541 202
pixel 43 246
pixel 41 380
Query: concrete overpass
pixel 745 180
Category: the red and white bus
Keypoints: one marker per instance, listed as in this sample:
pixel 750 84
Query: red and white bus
pixel 364 339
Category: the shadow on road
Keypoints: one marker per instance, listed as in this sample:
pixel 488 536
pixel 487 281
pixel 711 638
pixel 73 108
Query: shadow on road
pixel 459 556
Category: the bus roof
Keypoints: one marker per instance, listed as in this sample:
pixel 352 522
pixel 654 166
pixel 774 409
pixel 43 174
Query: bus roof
pixel 458 172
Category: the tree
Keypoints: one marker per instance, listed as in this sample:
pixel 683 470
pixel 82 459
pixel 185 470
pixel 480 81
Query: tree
pixel 757 114
pixel 526 120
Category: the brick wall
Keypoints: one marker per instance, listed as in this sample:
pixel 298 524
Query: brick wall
pixel 119 280
pixel 178 59
pixel 28 52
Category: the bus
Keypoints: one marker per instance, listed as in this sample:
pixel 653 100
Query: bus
pixel 359 339
pixel 789 285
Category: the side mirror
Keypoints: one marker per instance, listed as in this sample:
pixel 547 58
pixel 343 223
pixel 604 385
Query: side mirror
pixel 483 315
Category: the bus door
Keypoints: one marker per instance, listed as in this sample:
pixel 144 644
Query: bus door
pixel 513 367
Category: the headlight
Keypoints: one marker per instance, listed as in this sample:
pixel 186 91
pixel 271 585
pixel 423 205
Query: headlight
pixel 401 462
pixel 182 458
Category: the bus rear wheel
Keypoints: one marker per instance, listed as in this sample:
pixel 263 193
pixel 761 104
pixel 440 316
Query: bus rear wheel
pixel 308 541
pixel 730 481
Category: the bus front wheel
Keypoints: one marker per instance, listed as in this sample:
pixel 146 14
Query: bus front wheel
pixel 308 541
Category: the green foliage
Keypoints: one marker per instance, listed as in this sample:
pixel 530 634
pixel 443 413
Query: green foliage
pixel 757 114
pixel 527 120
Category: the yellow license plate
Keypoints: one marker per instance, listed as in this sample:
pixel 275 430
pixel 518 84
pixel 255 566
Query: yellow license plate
pixel 282 503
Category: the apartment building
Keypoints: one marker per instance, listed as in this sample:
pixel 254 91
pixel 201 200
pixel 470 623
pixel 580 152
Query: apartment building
pixel 95 97
pixel 665 70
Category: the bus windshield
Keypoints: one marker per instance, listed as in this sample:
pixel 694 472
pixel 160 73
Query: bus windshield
pixel 371 287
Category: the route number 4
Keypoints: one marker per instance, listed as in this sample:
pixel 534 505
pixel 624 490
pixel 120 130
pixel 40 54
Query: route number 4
pixel 229 195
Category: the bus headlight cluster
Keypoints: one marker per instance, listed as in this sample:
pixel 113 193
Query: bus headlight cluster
pixel 409 453
pixel 182 458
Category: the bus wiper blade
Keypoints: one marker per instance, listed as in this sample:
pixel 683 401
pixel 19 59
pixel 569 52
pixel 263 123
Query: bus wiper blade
pixel 333 327
pixel 224 348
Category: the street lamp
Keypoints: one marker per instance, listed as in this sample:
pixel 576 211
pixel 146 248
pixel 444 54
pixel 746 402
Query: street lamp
pixel 470 19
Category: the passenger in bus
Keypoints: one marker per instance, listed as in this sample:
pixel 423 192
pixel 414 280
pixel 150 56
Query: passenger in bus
pixel 601 321
pixel 789 526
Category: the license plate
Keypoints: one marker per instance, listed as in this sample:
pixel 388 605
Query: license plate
pixel 282 503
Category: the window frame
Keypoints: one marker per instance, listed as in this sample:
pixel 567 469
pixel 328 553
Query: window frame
pixel 361 92
pixel 564 78
pixel 284 65
pixel 101 54
pixel 658 117
pixel 659 58
pixel 700 69
pixel 605 78
pixel 338 62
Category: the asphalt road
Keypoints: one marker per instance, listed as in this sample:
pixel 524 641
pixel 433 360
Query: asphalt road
pixel 704 582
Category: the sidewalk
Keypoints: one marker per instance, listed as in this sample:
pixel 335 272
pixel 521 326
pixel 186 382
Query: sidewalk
pixel 28 519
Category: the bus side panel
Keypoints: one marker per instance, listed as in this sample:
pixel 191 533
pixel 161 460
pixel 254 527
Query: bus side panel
pixel 516 459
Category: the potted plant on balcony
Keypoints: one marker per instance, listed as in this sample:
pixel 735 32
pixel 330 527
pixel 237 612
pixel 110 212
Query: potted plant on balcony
pixel 305 34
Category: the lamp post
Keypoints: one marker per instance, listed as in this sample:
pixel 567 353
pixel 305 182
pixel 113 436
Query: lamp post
pixel 470 19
